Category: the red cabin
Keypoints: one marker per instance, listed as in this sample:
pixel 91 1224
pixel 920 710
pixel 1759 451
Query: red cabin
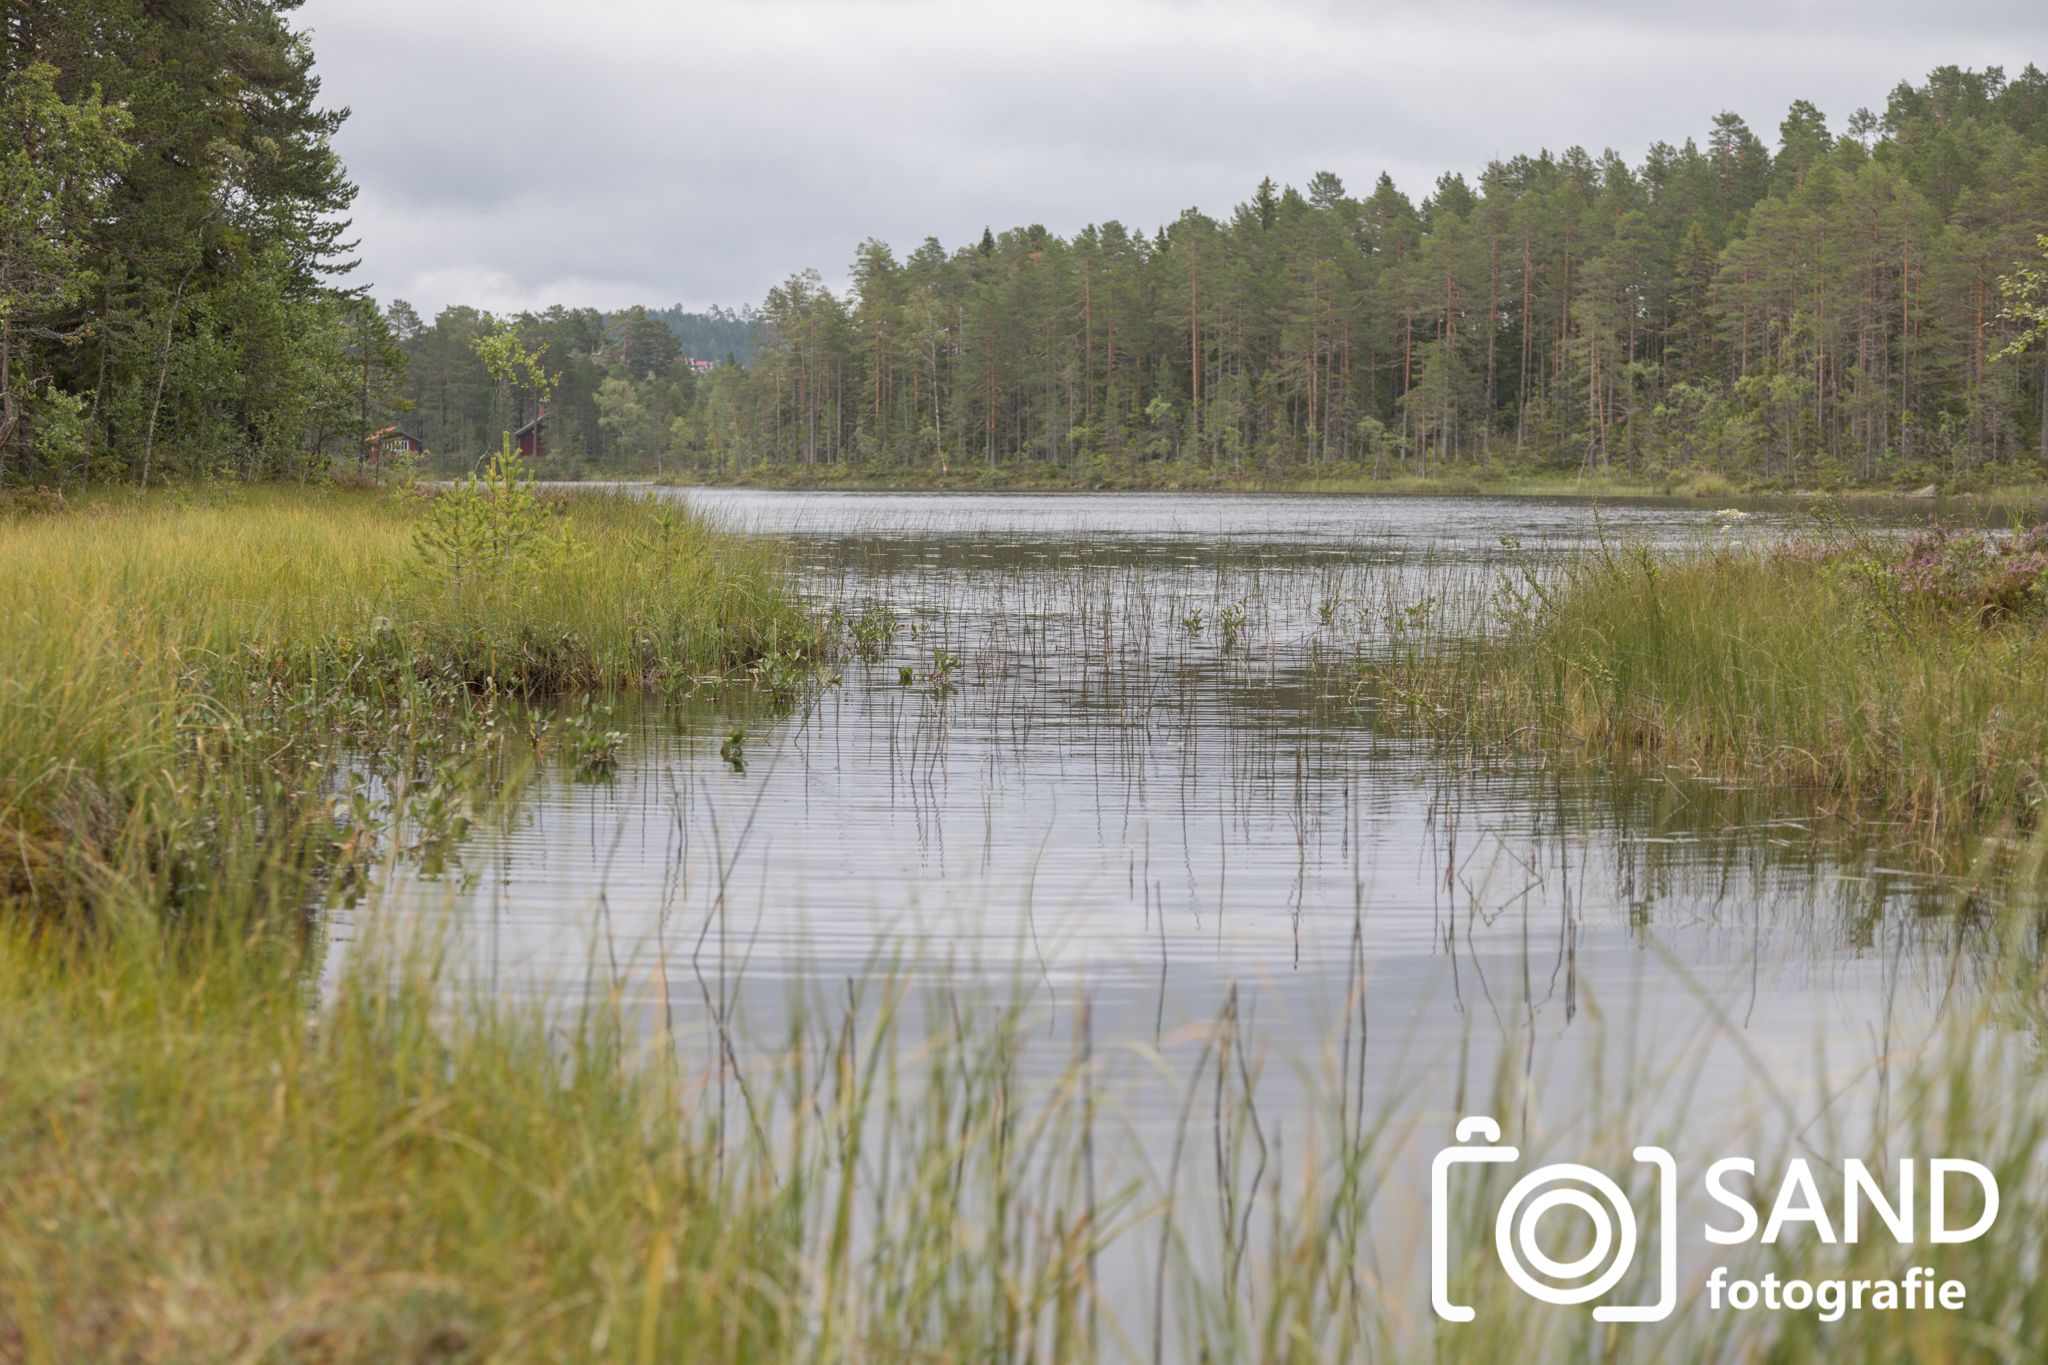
pixel 391 441
pixel 532 439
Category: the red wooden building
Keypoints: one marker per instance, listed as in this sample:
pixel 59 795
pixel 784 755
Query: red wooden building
pixel 391 441
pixel 532 439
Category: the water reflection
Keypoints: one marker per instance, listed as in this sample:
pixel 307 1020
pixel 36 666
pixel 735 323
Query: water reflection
pixel 1116 748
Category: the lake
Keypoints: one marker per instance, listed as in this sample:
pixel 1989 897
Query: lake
pixel 1135 763
pixel 1114 768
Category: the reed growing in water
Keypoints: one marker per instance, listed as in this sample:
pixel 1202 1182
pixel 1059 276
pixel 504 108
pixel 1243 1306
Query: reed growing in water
pixel 1900 681
pixel 198 1160
pixel 197 1166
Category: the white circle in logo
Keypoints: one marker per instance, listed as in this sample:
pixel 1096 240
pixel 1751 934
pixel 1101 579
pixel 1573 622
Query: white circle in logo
pixel 1515 1237
pixel 1595 1211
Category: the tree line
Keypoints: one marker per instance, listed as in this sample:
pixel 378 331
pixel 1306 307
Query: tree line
pixel 1828 310
pixel 1839 308
pixel 624 392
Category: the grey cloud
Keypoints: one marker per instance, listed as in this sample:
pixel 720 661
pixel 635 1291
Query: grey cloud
pixel 624 150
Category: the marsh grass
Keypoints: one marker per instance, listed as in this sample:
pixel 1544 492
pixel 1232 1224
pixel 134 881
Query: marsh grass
pixel 192 1172
pixel 1803 667
pixel 202 1156
pixel 196 1165
pixel 176 671
pixel 1178 476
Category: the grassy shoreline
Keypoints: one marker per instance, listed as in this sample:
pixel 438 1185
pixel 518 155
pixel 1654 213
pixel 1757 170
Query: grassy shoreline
pixel 1707 488
pixel 1902 683
pixel 176 669
pixel 855 478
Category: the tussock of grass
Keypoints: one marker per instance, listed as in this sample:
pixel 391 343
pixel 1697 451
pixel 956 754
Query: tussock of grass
pixel 190 1171
pixel 1706 484
pixel 1806 667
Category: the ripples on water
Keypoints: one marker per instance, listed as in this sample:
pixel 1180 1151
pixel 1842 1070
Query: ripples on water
pixel 1125 793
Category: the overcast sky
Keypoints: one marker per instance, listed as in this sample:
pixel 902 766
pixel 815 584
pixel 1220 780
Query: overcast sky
pixel 605 152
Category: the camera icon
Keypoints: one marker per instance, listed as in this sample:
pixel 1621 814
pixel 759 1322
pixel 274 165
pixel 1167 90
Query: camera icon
pixel 1563 1185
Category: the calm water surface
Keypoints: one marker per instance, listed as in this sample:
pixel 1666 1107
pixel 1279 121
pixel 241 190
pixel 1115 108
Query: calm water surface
pixel 1152 775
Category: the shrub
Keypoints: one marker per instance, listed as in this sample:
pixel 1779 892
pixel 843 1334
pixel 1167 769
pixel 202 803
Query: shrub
pixel 1969 573
pixel 31 501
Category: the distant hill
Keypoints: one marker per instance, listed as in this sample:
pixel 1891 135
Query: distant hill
pixel 711 335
